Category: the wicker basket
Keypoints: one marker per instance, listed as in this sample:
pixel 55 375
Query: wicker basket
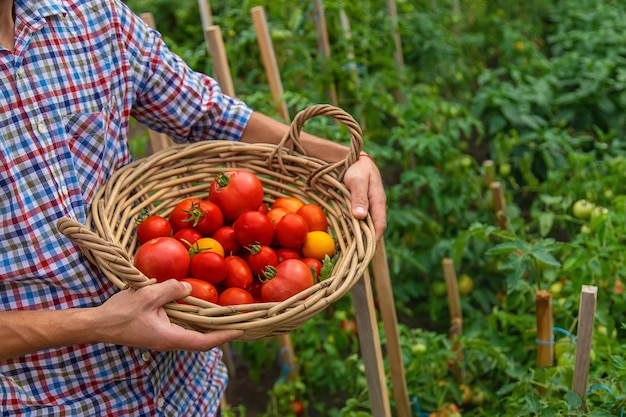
pixel 160 181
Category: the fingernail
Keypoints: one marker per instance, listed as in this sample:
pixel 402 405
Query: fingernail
pixel 187 285
pixel 360 211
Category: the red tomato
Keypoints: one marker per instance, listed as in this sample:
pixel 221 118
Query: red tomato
pixel 296 407
pixel 315 265
pixel 202 215
pixel 202 290
pixel 163 258
pixel 291 231
pixel 287 253
pixel 288 279
pixel 226 236
pixel 315 217
pixel 209 266
pixel 260 257
pixel 263 208
pixel 234 296
pixel 152 227
pixel 253 227
pixel 236 192
pixel 255 289
pixel 238 273
pixel 291 204
pixel 349 327
pixel 187 236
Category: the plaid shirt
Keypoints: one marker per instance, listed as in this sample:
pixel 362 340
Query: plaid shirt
pixel 80 69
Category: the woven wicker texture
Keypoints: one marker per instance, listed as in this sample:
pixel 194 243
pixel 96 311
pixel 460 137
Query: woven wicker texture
pixel 160 181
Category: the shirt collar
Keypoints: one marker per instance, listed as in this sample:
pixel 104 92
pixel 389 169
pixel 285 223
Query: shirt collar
pixel 34 13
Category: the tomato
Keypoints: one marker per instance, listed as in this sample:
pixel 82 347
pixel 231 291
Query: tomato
pixel 291 204
pixel 296 407
pixel 276 214
pixel 286 280
pixel 253 227
pixel 287 253
pixel 317 245
pixel 187 236
pixel 260 257
pixel 315 265
pixel 349 327
pixel 238 273
pixel 582 209
pixel 465 284
pixel 234 296
pixel 153 226
pixel 314 216
pixel 263 208
pixel 206 244
pixel 226 236
pixel 255 289
pixel 163 258
pixel 291 231
pixel 236 192
pixel 209 266
pixel 201 289
pixel 202 215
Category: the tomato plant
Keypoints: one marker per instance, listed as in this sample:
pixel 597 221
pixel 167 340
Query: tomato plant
pixel 163 258
pixel 288 279
pixel 236 192
pixel 253 227
pixel 291 231
pixel 201 289
pixel 152 226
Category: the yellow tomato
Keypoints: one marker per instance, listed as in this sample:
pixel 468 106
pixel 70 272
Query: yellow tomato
pixel 207 244
pixel 317 245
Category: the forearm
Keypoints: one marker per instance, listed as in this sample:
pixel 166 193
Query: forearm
pixel 264 129
pixel 24 332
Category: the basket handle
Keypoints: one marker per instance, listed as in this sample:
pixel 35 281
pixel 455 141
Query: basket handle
pixel 292 140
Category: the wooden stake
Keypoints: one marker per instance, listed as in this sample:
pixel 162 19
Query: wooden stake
pixel 323 44
pixel 371 351
pixel 545 329
pixel 397 55
pixel 205 13
pixel 586 319
pixel 489 169
pixel 269 60
pixel 456 316
pixel 347 32
pixel 221 69
pixel 386 303
pixel 499 204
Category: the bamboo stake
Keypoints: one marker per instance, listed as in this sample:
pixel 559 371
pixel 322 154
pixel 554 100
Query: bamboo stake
pixel 276 87
pixel 386 303
pixel 158 140
pixel 269 60
pixel 323 44
pixel 371 351
pixel 456 316
pixel 205 13
pixel 397 55
pixel 586 318
pixel 489 169
pixel 499 204
pixel 347 32
pixel 545 328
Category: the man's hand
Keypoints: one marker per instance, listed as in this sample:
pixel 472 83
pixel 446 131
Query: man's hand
pixel 135 317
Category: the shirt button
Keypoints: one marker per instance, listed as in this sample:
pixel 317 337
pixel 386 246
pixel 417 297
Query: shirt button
pixel 64 192
pixel 20 72
pixel 160 402
pixel 41 128
pixel 145 356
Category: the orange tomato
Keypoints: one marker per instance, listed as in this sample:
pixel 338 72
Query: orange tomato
pixel 291 204
pixel 207 244
pixel 317 245
pixel 276 214
pixel 315 217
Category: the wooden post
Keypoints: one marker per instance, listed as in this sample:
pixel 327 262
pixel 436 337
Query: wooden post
pixel 347 32
pixel 323 44
pixel 456 316
pixel 386 303
pixel 371 351
pixel 158 140
pixel 205 13
pixel 499 204
pixel 489 169
pixel 545 329
pixel 586 318
pixel 269 60
pixel 398 56
pixel 221 69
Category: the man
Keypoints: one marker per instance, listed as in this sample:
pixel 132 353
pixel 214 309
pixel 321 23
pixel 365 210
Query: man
pixel 73 73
